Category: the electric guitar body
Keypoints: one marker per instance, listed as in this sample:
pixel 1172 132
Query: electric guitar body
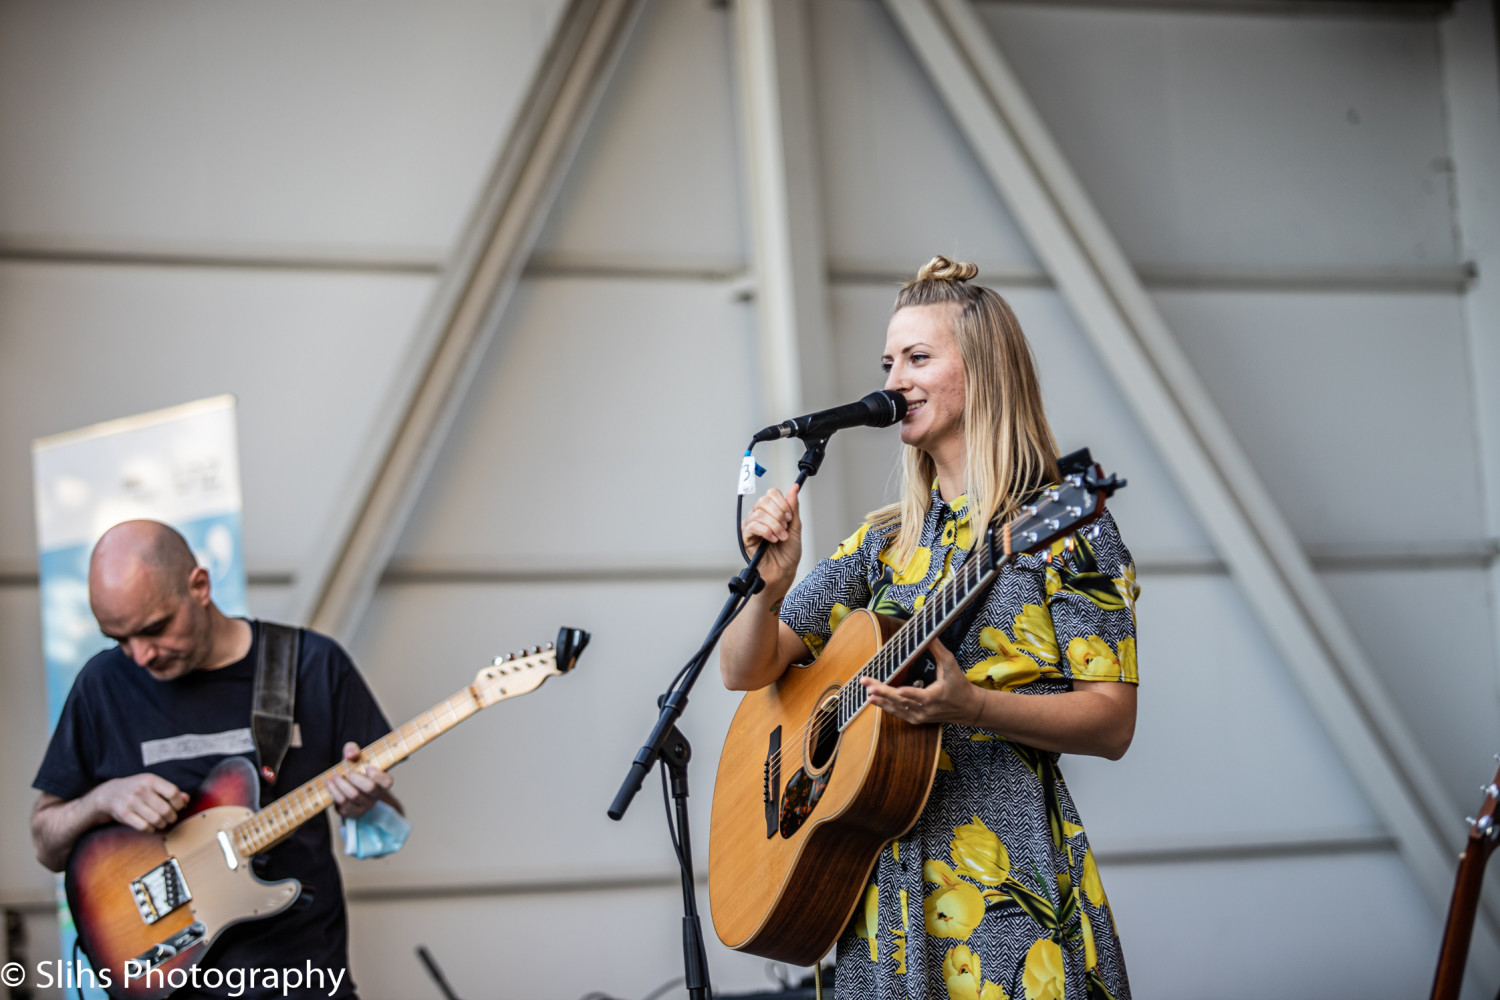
pixel 127 889
pixel 785 868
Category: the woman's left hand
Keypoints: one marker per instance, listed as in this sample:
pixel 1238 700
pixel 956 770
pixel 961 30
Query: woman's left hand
pixel 949 698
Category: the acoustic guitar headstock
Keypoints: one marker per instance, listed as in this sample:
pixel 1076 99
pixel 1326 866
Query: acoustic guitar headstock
pixel 1058 512
pixel 1484 829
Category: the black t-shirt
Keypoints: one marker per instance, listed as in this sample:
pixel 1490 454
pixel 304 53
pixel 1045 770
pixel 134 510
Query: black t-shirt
pixel 119 721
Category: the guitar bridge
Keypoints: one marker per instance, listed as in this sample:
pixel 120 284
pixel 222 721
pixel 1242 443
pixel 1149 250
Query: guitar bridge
pixel 160 891
pixel 771 784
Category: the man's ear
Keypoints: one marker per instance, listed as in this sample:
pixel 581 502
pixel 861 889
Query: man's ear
pixel 200 589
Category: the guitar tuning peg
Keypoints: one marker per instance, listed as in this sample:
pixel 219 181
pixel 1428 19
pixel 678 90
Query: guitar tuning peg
pixel 1468 821
pixel 547 647
pixel 509 657
pixel 497 661
pixel 535 650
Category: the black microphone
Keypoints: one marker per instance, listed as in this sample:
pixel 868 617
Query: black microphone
pixel 878 409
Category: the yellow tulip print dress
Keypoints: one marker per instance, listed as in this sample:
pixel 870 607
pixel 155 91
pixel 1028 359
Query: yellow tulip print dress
pixel 994 893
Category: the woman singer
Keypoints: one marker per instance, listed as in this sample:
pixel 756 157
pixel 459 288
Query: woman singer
pixel 994 892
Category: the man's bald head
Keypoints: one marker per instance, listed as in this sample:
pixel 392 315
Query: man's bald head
pixel 149 594
pixel 133 553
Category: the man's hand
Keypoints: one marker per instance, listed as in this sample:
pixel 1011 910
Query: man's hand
pixel 949 698
pixel 366 785
pixel 143 802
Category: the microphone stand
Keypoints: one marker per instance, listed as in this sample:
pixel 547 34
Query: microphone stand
pixel 667 743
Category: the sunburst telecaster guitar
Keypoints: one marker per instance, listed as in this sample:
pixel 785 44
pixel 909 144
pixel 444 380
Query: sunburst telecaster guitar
pixel 811 786
pixel 146 904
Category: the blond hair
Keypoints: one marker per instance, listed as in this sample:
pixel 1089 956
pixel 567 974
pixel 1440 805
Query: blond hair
pixel 1008 444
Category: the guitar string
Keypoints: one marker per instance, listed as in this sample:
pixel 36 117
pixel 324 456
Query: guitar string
pixel 245 832
pixel 915 624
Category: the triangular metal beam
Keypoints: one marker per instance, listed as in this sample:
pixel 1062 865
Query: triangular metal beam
pixel 1216 476
pixel 338 581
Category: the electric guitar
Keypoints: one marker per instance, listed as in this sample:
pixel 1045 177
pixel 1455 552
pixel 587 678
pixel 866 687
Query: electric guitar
pixel 1459 931
pixel 149 904
pixel 811 786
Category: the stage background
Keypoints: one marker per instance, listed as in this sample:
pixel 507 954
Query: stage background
pixel 259 199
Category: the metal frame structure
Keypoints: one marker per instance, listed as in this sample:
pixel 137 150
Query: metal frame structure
pixel 338 582
pixel 1076 248
pixel 1217 478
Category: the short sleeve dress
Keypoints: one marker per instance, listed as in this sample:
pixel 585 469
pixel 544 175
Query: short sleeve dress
pixel 994 892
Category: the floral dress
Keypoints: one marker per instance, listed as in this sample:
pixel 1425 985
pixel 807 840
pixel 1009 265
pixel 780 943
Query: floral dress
pixel 994 892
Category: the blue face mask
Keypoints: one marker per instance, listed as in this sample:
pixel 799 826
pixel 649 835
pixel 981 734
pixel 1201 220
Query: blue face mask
pixel 378 832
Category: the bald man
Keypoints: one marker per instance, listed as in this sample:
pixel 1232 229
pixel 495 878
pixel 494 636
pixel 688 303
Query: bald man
pixel 148 719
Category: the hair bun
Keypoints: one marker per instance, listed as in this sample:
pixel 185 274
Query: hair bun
pixel 942 269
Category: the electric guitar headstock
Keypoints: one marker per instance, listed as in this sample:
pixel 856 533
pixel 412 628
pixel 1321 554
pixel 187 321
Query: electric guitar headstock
pixel 1060 511
pixel 524 670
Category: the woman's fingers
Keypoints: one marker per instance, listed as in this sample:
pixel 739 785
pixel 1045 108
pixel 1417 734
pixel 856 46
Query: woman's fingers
pixel 773 517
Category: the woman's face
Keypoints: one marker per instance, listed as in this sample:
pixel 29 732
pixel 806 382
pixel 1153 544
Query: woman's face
pixel 923 364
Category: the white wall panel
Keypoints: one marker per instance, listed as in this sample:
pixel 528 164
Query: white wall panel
pixel 1082 402
pixel 604 428
pixel 309 355
pixel 1340 926
pixel 897 179
pixel 356 126
pixel 23 720
pixel 1226 748
pixel 1428 634
pixel 656 181
pixel 620 944
pixel 1218 143
pixel 519 793
pixel 1355 408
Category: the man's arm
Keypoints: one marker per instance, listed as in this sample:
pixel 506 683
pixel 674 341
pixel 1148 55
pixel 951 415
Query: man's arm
pixel 142 802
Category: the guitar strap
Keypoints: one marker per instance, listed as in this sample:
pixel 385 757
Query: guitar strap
pixel 275 695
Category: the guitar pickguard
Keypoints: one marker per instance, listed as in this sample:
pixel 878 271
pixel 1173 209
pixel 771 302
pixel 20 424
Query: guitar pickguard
pixel 801 797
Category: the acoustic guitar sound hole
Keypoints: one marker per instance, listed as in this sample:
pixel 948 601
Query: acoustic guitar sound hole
pixel 824 735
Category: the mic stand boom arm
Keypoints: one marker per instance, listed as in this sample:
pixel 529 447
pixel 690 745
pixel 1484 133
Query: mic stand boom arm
pixel 671 705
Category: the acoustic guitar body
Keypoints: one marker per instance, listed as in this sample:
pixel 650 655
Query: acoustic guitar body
pixel 158 900
pixel 796 833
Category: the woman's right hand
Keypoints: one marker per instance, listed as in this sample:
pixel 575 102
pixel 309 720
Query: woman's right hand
pixel 775 520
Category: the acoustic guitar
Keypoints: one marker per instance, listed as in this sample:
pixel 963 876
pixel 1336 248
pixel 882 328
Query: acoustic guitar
pixel 811 786
pixel 148 904
pixel 1484 830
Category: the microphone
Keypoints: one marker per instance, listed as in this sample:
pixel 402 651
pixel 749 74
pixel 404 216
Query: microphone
pixel 878 409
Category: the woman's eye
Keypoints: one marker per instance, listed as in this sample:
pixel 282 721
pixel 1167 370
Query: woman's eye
pixel 885 366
